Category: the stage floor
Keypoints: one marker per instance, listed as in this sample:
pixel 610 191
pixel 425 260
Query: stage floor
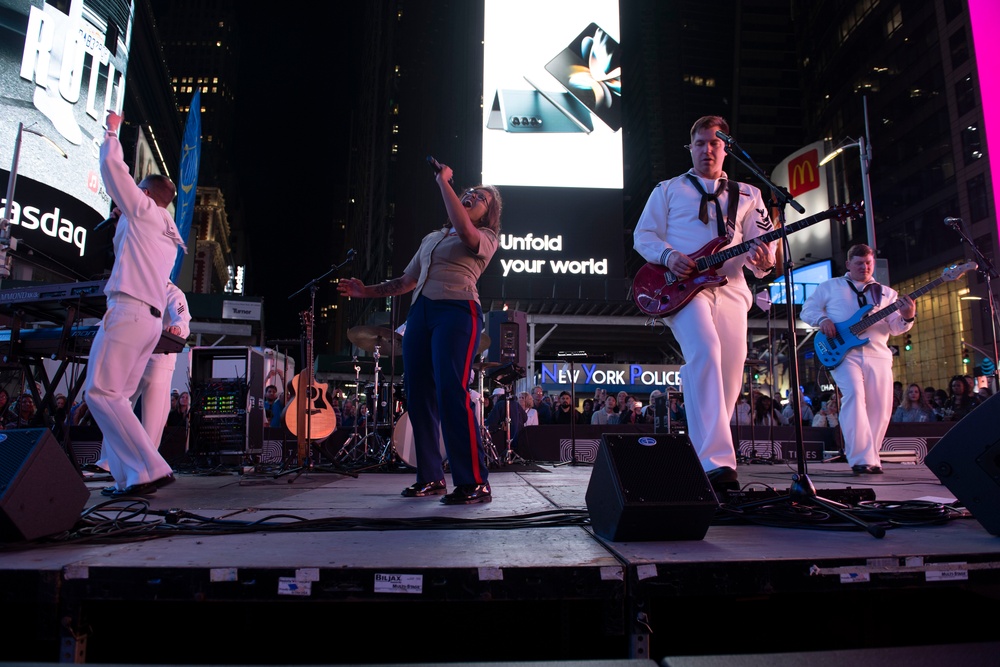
pixel 244 566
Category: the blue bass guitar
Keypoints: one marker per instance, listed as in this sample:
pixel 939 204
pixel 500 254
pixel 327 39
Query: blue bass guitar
pixel 831 351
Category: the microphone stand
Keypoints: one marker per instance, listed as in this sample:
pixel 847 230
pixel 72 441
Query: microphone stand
pixel 572 356
pixel 988 272
pixel 802 489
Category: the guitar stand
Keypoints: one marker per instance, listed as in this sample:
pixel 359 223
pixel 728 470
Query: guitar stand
pixel 307 388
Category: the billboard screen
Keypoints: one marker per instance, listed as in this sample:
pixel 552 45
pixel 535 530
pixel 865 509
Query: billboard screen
pixel 552 141
pixel 62 65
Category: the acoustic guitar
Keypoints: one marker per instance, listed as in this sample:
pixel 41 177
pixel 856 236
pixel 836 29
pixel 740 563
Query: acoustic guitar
pixel 309 416
pixel 658 292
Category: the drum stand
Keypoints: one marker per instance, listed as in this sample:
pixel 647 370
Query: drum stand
pixel 492 457
pixel 356 449
pixel 511 456
pixel 347 450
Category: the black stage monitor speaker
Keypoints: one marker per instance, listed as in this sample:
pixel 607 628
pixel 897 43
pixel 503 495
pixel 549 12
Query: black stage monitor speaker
pixel 41 491
pixel 649 487
pixel 967 461
pixel 508 332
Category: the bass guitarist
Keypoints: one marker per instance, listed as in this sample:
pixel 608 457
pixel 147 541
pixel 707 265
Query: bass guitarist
pixel 682 215
pixel 865 374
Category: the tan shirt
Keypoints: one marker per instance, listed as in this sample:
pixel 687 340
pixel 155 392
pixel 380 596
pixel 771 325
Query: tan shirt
pixel 445 268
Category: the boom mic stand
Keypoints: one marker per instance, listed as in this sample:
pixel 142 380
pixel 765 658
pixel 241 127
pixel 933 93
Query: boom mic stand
pixel 988 273
pixel 801 489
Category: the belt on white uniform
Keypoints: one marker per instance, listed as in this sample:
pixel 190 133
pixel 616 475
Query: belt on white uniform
pixel 121 297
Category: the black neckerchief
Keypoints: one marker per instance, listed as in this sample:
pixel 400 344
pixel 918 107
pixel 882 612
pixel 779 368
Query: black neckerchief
pixel 734 194
pixel 873 287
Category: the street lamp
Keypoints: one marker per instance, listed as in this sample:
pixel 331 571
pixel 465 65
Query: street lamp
pixel 865 150
pixel 6 242
pixel 866 187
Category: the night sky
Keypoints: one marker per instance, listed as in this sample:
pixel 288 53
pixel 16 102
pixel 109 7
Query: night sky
pixel 292 151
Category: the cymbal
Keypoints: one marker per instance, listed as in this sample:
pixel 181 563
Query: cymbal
pixel 483 365
pixel 368 337
pixel 484 342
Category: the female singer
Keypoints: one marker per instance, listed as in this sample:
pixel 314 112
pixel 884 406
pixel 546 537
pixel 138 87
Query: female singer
pixel 443 328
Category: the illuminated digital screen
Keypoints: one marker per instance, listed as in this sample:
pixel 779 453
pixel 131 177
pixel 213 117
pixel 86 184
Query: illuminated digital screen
pixel 552 94
pixel 805 280
pixel 552 143
pixel 62 65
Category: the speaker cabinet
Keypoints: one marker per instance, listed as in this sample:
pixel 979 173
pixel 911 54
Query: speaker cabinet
pixel 41 491
pixel 649 487
pixel 967 461
pixel 508 332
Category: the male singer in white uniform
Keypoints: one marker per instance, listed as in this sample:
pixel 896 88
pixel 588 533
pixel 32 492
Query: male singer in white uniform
pixel 154 387
pixel 145 243
pixel 681 216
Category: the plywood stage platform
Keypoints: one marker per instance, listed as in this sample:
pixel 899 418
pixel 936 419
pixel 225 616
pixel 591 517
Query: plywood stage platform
pixel 258 565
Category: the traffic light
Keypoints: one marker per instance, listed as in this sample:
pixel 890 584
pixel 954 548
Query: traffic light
pixel 909 343
pixel 965 355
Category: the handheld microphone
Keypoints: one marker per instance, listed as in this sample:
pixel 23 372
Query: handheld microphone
pixel 725 137
pixel 436 166
pixel 107 221
pixel 951 222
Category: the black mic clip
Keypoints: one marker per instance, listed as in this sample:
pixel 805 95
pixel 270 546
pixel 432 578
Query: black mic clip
pixel 725 137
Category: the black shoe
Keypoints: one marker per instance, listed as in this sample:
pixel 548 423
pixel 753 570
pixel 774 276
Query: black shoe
pixel 421 489
pixel 164 481
pixel 863 469
pixel 468 494
pixel 723 478
pixel 109 491
pixel 144 489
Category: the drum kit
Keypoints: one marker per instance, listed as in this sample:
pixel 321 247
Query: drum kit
pixel 386 406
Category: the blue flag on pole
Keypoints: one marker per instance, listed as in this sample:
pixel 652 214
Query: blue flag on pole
pixel 188 185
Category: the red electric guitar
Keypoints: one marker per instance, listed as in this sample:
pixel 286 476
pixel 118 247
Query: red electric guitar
pixel 658 292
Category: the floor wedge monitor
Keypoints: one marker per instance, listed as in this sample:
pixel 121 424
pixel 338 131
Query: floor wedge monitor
pixel 647 487
pixel 41 491
pixel 967 461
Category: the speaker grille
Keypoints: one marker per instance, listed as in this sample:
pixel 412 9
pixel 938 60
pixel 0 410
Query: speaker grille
pixel 41 491
pixel 649 487
pixel 967 461
pixel 17 447
pixel 650 471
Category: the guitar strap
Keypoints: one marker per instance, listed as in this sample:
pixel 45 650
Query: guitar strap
pixel 733 189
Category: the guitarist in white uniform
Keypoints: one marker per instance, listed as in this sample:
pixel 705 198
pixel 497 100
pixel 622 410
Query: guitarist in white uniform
pixel 865 374
pixel 682 215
